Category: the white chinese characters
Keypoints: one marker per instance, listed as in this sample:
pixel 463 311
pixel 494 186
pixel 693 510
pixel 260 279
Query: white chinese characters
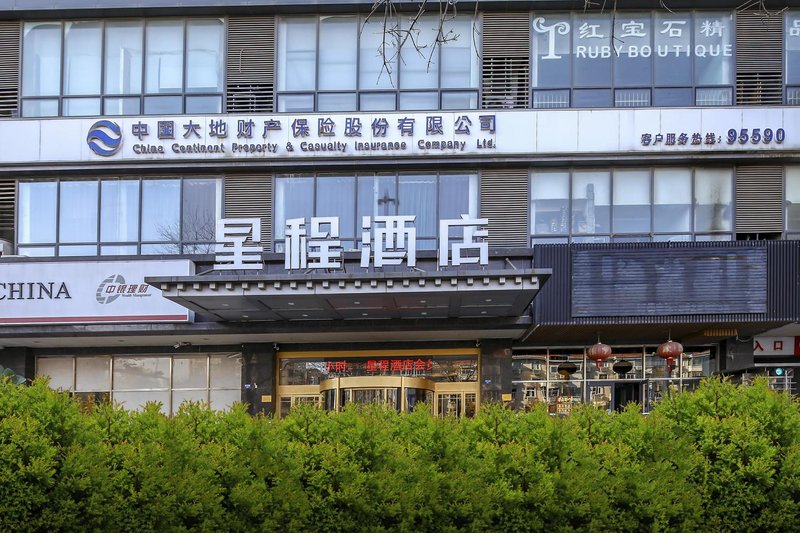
pixel 237 244
pixel 316 244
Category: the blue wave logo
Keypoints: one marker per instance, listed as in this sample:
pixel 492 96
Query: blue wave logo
pixel 105 138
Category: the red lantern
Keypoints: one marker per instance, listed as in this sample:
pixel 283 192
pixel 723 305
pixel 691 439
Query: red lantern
pixel 670 351
pixel 599 352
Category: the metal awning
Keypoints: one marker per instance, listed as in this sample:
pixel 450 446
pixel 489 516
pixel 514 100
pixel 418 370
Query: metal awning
pixel 356 296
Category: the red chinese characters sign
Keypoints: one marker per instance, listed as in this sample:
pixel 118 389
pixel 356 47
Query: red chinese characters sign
pixel 379 366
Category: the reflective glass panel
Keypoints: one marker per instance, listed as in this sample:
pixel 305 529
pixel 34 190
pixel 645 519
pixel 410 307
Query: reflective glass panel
pixel 336 197
pixel 190 372
pixel 377 61
pixel 200 209
pixel 294 198
pixel 119 208
pixel 672 198
pixel 92 373
pixel 78 211
pixel 591 197
pixel 552 64
pixel 713 48
pixel 59 369
pixel 123 61
pixel 417 195
pixel 633 62
pixel 672 49
pixel 297 50
pixel 83 44
pixel 161 210
pixel 41 59
pixel 164 61
pixel 420 66
pixel 338 38
pixel 550 203
pixel 631 201
pixel 712 189
pixel 591 48
pixel 459 58
pixel 135 373
pixel 205 43
pixel 793 198
pixel 792 51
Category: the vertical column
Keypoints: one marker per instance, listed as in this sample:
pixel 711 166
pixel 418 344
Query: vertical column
pixel 495 371
pixel 258 378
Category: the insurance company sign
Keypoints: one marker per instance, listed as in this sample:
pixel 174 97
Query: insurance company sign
pixel 482 133
pixel 86 292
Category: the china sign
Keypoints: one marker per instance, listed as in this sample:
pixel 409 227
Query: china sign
pixel 86 292
pixel 776 346
pixel 385 241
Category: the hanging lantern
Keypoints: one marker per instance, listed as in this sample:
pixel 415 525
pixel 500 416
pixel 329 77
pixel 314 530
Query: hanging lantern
pixel 566 369
pixel 670 351
pixel 599 352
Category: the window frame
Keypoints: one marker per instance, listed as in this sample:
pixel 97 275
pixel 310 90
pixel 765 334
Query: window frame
pixel 278 242
pixel 181 245
pixel 142 96
pixel 612 236
pixel 358 91
pixel 613 87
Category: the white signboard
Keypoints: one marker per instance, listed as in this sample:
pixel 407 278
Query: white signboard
pixel 87 292
pixel 482 133
pixel 776 346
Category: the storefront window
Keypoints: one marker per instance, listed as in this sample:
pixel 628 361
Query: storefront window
pixel 429 196
pixel 633 59
pixel 122 67
pixel 118 217
pixel 135 380
pixel 562 378
pixel 348 63
pixel 625 205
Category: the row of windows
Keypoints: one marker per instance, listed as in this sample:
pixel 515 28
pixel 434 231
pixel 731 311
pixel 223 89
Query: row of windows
pixel 177 216
pixel 126 67
pixel 595 205
pixel 135 380
pixel 347 63
pixel 353 63
pixel 118 216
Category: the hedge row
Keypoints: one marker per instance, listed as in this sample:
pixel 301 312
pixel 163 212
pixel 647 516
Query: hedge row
pixel 721 458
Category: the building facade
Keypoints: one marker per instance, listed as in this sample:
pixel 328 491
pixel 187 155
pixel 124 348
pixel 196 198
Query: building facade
pixel 284 203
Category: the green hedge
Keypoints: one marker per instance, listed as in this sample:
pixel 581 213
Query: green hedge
pixel 721 458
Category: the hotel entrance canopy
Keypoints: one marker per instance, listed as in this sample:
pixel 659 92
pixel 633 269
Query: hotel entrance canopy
pixel 477 294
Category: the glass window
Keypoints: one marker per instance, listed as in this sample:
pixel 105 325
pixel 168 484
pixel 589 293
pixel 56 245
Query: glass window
pixel 792 49
pixel 123 57
pixel 550 203
pixel 297 42
pixel 70 215
pixel 78 214
pixel 189 372
pixel 41 59
pixel 161 200
pixel 646 51
pixel 591 202
pixel 82 49
pixel 226 372
pixel 119 213
pixel 417 196
pixel 141 373
pixel 60 370
pixel 92 374
pixel 336 197
pixel 672 199
pixel 712 194
pixel 37 212
pixel 360 54
pixel 205 44
pixel 337 54
pixel 200 209
pixel 793 198
pixel 429 197
pixel 631 201
pixel 635 205
pixel 95 59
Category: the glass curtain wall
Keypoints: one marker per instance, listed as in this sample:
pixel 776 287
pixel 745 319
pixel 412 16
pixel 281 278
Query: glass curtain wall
pixel 123 67
pixel 632 59
pixel 428 196
pixel 630 205
pixel 127 216
pixel 349 63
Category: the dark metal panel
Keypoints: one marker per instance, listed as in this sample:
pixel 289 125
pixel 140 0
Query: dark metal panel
pixel 682 281
pixel 783 261
pixel 778 298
